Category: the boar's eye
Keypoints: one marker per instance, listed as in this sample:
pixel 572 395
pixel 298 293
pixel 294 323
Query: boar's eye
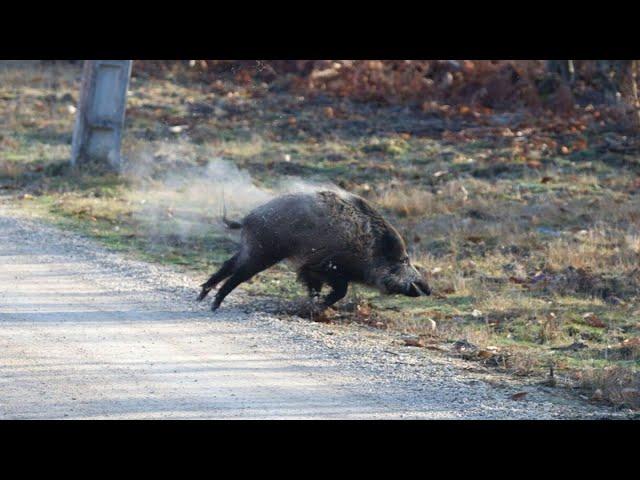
pixel 399 264
pixel 392 247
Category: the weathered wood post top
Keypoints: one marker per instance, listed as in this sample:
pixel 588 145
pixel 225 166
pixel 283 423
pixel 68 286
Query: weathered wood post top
pixel 97 134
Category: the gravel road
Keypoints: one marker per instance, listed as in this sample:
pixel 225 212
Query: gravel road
pixel 89 333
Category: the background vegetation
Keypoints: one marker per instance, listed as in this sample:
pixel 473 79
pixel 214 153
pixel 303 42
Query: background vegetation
pixel 515 183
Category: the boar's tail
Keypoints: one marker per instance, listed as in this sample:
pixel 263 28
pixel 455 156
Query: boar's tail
pixel 231 224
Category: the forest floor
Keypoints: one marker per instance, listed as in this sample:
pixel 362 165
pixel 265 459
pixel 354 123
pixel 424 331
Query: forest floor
pixel 529 226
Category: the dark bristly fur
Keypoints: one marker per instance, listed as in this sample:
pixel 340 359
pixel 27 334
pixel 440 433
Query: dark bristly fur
pixel 331 238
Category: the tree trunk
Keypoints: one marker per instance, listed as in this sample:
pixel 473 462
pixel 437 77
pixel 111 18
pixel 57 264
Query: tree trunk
pixel 634 91
pixel 98 130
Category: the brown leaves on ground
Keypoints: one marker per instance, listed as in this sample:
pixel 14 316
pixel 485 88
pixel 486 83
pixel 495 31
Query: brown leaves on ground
pixel 593 320
pixel 633 342
pixel 488 356
pixel 471 90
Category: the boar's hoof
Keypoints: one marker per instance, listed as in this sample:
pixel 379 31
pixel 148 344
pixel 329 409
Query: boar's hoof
pixel 312 310
pixel 321 315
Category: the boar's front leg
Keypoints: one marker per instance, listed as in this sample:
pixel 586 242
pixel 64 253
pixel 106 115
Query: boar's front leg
pixel 339 286
pixel 312 280
pixel 328 271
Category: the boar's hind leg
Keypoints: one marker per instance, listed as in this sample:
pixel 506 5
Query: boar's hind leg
pixel 224 272
pixel 242 273
pixel 339 288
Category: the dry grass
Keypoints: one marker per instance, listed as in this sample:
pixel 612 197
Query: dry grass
pixel 406 201
pixel 10 170
pixel 615 384
pixel 596 249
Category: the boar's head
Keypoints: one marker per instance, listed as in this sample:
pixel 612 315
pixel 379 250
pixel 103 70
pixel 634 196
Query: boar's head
pixel 394 272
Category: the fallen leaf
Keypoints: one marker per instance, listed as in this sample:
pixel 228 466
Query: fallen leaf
pixel 413 341
pixel 475 239
pixel 592 319
pixel 581 143
pixel 363 312
pixel 534 164
pixel 597 395
pixel 177 128
pixel 518 396
pixel 631 342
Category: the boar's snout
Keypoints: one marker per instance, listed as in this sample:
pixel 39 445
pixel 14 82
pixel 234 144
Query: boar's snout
pixel 418 288
pixel 405 280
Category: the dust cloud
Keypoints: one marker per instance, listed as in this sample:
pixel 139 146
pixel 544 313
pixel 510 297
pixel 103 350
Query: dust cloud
pixel 180 190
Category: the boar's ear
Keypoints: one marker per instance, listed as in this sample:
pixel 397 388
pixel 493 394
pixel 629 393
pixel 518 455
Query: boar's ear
pixel 391 245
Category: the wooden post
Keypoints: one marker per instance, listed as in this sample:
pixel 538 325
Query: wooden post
pixel 564 68
pixel 97 133
pixel 634 92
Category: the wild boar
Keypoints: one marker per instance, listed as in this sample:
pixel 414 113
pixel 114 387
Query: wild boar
pixel 330 238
